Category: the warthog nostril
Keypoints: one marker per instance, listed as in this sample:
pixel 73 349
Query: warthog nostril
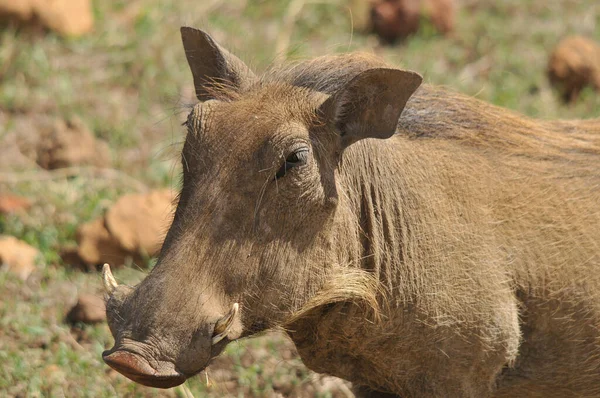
pixel 136 368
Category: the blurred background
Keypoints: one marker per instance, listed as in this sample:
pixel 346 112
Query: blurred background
pixel 92 97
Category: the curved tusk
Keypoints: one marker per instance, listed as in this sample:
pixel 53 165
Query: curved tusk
pixel 110 284
pixel 224 324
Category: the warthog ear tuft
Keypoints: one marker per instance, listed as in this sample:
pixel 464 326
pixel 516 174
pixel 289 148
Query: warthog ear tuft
pixel 212 65
pixel 371 103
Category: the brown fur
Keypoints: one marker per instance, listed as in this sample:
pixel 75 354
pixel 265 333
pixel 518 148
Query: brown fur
pixel 459 257
pixel 573 65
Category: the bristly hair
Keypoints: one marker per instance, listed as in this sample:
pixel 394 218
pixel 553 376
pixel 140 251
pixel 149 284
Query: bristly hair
pixel 325 75
pixel 433 112
pixel 350 285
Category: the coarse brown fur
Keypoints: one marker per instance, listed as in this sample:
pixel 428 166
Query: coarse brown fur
pixel 458 257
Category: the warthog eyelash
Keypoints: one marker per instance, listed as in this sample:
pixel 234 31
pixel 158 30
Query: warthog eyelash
pixel 297 158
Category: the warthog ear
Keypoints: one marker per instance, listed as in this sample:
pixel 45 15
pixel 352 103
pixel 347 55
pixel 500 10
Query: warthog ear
pixel 212 65
pixel 371 103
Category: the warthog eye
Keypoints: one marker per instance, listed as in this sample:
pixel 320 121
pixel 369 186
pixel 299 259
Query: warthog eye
pixel 297 158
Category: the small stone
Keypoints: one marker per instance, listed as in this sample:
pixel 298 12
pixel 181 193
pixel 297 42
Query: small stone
pixel 17 256
pixel 398 19
pixel 139 221
pixel 21 10
pixel 89 309
pixel 97 246
pixel 442 14
pixel 395 19
pixel 66 17
pixel 70 256
pixel 71 143
pixel 573 65
pixel 12 203
pixel 133 227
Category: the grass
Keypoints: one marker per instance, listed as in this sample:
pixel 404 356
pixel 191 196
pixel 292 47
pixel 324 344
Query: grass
pixel 129 82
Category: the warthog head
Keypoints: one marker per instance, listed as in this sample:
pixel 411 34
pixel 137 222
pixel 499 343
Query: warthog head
pixel 260 228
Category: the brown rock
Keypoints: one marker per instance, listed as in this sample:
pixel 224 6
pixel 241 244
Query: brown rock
pixel 442 14
pixel 133 227
pixel 66 17
pixel 398 19
pixel 71 144
pixel 573 65
pixel 89 309
pixel 97 246
pixel 139 221
pixel 12 203
pixel 14 144
pixel 395 19
pixel 70 256
pixel 20 10
pixel 17 256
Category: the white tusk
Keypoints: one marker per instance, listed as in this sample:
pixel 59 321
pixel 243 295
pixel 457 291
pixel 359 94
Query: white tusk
pixel 110 284
pixel 224 324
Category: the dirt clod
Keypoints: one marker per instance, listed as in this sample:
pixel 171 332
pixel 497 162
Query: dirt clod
pixel 573 65
pixel 71 143
pixel 66 17
pixel 17 256
pixel 133 228
pixel 13 203
pixel 96 245
pixel 397 19
pixel 138 222
pixel 89 309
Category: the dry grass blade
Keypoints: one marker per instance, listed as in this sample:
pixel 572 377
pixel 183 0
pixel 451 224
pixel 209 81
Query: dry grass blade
pixel 184 391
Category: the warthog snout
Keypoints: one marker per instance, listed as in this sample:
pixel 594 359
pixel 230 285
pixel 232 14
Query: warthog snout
pixel 163 361
pixel 160 374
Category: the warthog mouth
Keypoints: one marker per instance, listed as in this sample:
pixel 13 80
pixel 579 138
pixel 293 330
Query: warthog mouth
pixel 131 365
pixel 127 356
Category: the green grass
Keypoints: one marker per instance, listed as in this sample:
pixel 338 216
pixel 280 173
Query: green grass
pixel 128 81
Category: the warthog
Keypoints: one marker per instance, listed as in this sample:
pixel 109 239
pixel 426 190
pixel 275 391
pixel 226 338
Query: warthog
pixel 414 241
